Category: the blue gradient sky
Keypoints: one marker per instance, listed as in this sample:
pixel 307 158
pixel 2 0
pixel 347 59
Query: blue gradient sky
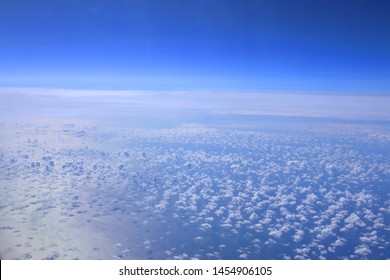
pixel 305 46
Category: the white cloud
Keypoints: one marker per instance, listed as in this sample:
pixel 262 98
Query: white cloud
pixel 242 103
pixel 363 250
pixel 205 226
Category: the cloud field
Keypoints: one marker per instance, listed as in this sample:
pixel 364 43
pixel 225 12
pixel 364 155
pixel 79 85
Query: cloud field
pixel 203 187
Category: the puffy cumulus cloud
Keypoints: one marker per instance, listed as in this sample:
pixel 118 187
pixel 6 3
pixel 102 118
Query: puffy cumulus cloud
pixel 243 256
pixel 275 233
pixel 183 256
pixel 205 226
pixel 339 242
pixel 352 221
pixel 363 250
pixel 298 236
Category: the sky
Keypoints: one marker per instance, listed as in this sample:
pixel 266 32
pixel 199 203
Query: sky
pixel 255 45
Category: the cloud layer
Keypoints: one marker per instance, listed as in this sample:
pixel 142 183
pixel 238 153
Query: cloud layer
pixel 360 107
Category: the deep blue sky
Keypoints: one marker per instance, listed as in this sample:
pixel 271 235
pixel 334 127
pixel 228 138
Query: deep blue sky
pixel 265 45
